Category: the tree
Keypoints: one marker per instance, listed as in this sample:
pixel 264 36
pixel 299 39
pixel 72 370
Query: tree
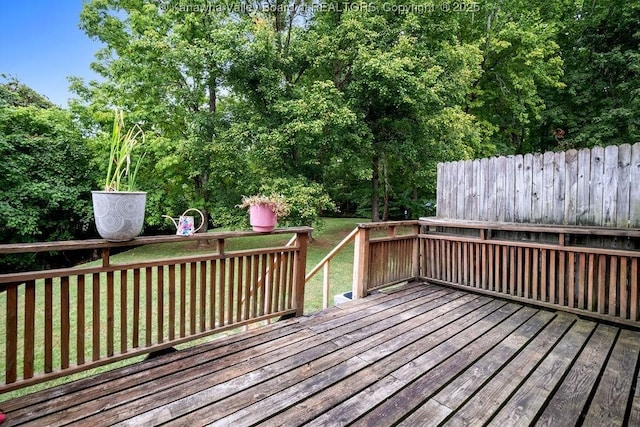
pixel 520 62
pixel 398 73
pixel 44 175
pixel 166 66
pixel 600 104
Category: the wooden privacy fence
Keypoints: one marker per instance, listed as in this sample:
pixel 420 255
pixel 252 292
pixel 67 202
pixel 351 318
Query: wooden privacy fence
pixel 57 322
pixel 598 186
pixel 600 282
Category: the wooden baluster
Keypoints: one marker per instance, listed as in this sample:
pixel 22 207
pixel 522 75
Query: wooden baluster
pixel 613 284
pixel 11 356
pixel 136 309
pixel 48 325
pixel 203 296
pixel 193 294
pixel 124 321
pixel 110 313
pixel 160 304
pixel 96 309
pixel 65 324
pixel 183 300
pixel 229 285
pixel 633 286
pixel 240 288
pixel 29 328
pixel 212 294
pixel 248 281
pixel 172 302
pixel 148 305
pixel 80 320
pixel 221 284
pixel 623 296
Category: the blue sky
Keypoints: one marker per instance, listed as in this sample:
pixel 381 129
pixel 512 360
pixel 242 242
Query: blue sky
pixel 41 45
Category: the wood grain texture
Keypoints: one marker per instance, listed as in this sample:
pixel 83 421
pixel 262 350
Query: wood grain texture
pixel 419 354
pixel 585 187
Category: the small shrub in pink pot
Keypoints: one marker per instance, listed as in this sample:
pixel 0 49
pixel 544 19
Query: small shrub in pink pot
pixel 264 211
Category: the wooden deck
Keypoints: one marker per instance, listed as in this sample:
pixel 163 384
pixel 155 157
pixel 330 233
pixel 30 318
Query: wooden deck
pixel 419 354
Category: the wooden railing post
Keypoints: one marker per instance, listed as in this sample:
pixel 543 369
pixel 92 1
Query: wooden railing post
pixel 415 261
pixel 361 263
pixel 300 264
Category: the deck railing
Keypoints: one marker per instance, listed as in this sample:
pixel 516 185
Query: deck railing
pixel 58 322
pixel 381 261
pixel 553 266
pixel 592 271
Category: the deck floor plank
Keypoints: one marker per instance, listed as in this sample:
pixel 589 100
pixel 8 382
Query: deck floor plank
pixel 464 384
pixel 489 398
pixel 418 354
pixel 613 392
pixel 422 381
pixel 414 334
pixel 572 396
pixel 530 397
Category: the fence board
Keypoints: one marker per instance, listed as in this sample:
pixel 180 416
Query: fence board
pixel 586 187
pixel 509 189
pixel 460 203
pixel 634 190
pixel 488 203
pixel 624 186
pixel 557 207
pixel 500 176
pixel 596 189
pixel 571 187
pixel 610 181
pixel 537 177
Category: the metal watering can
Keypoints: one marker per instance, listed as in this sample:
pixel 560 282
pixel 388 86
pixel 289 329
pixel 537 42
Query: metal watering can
pixel 185 225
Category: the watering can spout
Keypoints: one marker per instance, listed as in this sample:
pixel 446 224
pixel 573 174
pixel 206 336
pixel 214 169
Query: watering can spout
pixel 185 226
pixel 175 223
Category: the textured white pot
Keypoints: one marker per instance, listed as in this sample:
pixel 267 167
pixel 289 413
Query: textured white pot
pixel 119 215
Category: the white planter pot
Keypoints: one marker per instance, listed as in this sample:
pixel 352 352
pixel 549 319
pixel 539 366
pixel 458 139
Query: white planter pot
pixel 119 215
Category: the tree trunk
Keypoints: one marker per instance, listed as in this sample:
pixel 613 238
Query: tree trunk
pixel 375 184
pixel 387 191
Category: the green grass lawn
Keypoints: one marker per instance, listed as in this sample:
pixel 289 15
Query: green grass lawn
pixel 324 240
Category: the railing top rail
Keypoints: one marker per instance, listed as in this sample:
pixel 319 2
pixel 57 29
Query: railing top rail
pixel 531 227
pixel 13 248
pixel 386 224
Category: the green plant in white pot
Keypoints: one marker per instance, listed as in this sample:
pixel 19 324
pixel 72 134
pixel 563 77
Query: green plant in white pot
pixel 119 209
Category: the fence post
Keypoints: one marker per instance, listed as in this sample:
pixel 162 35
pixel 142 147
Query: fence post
pixel 300 264
pixel 361 263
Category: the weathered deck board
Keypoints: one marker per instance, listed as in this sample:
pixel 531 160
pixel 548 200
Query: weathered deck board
pixel 419 354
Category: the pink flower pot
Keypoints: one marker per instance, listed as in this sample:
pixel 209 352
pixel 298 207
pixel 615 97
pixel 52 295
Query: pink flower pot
pixel 262 218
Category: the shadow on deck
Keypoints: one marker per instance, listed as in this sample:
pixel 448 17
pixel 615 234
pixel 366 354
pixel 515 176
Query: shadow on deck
pixel 418 354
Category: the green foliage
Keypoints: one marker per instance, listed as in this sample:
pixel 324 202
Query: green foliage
pixel 121 174
pixel 307 201
pixel 276 202
pixel 600 104
pixel 15 94
pixel 44 176
pixel 359 105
